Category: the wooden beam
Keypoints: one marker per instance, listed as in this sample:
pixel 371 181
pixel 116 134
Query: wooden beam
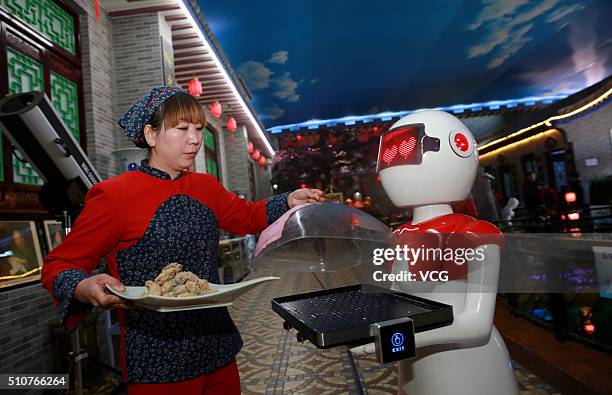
pixel 181 26
pixel 171 18
pixel 191 61
pixel 210 99
pixel 144 10
pixel 187 36
pixel 186 46
pixel 209 83
pixel 191 53
pixel 183 70
pixel 206 87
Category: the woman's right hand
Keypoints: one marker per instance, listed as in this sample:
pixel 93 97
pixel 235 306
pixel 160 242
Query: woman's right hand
pixel 93 290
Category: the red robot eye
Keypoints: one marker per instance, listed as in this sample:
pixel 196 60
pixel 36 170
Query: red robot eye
pixel 407 146
pixel 461 144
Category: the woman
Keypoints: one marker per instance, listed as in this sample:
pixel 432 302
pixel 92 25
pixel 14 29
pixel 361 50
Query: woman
pixel 142 220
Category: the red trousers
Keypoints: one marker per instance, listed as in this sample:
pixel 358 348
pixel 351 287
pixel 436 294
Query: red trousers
pixel 224 380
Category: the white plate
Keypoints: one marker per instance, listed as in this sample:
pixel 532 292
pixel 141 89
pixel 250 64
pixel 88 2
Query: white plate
pixel 222 295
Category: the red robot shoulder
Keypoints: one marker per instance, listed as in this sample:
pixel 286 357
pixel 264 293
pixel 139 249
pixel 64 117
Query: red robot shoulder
pixel 479 232
pixel 470 230
pixel 445 224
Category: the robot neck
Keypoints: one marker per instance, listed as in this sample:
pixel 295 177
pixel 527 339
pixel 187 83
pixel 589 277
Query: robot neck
pixel 425 213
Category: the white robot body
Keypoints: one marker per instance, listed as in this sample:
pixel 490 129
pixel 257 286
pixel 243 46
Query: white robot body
pixel 476 369
pixel 426 161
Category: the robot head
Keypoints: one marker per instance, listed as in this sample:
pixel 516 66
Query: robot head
pixel 428 157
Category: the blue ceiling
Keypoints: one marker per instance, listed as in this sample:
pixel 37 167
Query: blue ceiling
pixel 320 59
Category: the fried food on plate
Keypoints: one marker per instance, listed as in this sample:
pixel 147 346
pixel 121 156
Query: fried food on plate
pixel 174 282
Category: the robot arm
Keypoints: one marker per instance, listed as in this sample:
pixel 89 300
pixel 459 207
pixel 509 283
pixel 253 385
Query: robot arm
pixel 476 320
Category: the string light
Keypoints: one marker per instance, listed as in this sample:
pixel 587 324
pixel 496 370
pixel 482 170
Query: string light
pixel 548 122
pixel 517 143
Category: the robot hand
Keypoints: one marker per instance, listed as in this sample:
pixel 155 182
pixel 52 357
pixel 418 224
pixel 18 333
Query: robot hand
pixel 508 210
pixel 366 349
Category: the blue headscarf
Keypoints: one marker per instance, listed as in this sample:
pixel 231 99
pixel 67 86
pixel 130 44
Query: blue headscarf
pixel 134 119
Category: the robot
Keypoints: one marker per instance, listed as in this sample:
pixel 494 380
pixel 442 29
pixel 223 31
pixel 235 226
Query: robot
pixel 426 161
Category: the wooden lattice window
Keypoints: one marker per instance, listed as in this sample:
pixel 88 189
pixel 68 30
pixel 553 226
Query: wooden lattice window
pixel 38 52
pixel 47 18
pixel 210 152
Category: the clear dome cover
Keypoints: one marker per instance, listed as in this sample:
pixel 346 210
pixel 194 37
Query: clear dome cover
pixel 321 237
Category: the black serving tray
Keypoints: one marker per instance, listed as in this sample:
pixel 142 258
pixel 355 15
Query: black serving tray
pixel 342 316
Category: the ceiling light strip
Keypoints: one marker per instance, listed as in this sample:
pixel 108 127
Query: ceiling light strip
pixel 387 116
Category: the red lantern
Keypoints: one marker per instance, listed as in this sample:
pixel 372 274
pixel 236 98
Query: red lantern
pixel 303 185
pixel 215 112
pixel 589 328
pixel 195 87
pixel 215 109
pixel 262 161
pixel 97 9
pixel 256 155
pixel 250 147
pixel 230 124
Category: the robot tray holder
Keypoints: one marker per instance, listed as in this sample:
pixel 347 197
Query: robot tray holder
pixel 329 237
pixel 344 316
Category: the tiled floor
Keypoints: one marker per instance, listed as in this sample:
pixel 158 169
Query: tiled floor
pixel 273 362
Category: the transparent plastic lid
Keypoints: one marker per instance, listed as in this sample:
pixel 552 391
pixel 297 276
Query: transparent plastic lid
pixel 321 237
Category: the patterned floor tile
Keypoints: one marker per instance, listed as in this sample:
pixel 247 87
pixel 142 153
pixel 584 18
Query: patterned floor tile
pixel 273 362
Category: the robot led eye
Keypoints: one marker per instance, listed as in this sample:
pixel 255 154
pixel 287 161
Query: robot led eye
pixel 407 146
pixel 461 144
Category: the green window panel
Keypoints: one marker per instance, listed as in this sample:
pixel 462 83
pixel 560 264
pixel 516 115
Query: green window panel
pixel 24 74
pixel 209 140
pixel 65 100
pixel 208 166
pixel 211 167
pixel 23 173
pixel 47 18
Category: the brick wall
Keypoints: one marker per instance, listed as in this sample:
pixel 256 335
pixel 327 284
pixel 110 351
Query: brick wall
pixel 237 163
pixel 262 182
pixel 138 61
pixel 25 334
pixel 98 88
pixel 590 137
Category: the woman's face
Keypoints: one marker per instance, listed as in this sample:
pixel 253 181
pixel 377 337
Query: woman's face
pixel 175 149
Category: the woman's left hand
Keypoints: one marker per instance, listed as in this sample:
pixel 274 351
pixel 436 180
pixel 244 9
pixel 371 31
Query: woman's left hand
pixel 303 196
